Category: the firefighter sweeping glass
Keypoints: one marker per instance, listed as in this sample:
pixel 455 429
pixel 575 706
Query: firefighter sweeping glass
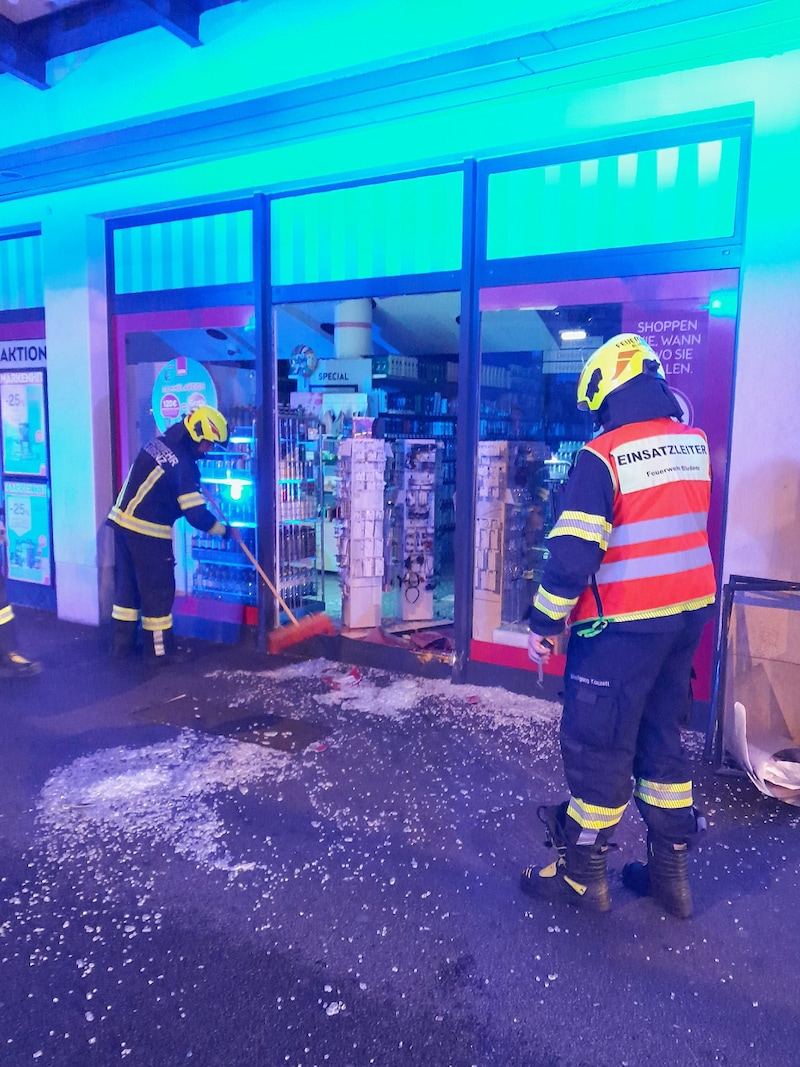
pixel 162 486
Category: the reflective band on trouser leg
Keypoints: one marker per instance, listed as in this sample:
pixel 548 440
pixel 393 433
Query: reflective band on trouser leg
pixel 664 794
pixel 158 628
pixel 124 614
pixel 592 819
pixel 6 614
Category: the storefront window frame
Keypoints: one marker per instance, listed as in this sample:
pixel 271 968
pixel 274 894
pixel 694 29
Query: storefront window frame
pixel 393 285
pixel 713 254
pixel 476 272
pixel 200 301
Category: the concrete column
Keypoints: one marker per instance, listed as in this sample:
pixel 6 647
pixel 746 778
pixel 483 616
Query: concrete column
pixel 73 247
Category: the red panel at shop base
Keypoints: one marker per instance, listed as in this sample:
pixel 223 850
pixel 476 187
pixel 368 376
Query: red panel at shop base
pixel 212 620
pixel 512 656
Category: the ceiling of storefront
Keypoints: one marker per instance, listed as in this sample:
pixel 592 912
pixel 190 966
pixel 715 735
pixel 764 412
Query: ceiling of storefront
pixel 584 42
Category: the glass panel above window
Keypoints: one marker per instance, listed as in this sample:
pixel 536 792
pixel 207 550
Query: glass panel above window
pixel 378 230
pixel 184 253
pixel 21 280
pixel 678 193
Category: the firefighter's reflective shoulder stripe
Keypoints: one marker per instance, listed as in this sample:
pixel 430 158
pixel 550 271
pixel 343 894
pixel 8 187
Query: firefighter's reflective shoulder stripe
pixel 6 614
pixel 658 561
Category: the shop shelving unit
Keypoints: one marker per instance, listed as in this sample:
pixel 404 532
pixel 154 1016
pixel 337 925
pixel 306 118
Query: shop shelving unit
pixel 417 469
pixel 417 426
pixel 330 478
pixel 300 517
pixel 215 568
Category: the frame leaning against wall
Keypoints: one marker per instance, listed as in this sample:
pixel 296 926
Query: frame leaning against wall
pixel 737 585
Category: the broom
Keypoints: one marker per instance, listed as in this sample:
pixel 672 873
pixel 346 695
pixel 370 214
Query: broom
pixel 298 629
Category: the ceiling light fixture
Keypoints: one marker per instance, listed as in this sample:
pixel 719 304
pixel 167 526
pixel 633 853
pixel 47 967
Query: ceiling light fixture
pixel 572 335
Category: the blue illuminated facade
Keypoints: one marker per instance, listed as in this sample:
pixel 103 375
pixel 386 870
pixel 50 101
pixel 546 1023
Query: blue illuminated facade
pixel 442 157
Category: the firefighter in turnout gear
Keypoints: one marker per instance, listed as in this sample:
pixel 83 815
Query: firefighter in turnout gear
pixel 12 663
pixel 163 484
pixel 630 572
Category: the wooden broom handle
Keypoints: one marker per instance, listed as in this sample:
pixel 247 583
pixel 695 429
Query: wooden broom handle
pixel 266 580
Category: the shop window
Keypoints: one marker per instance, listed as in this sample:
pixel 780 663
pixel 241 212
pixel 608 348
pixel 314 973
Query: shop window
pixel 534 341
pixel 366 486
pixel 168 365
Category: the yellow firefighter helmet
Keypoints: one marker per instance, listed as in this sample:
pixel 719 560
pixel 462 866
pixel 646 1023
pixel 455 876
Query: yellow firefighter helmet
pixel 207 424
pixel 614 364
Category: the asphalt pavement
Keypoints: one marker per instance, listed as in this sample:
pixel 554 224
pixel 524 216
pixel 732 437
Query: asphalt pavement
pixel 239 860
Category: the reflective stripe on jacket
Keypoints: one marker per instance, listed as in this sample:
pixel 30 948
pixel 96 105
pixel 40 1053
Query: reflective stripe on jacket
pixel 163 484
pixel 658 561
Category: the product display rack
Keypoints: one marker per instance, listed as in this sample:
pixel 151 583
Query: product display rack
pixel 518 483
pixel 417 469
pixel 416 426
pixel 330 510
pixel 360 541
pixel 300 534
pixel 219 569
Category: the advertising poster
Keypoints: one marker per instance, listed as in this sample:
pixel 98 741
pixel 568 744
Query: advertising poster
pixel 182 385
pixel 679 336
pixel 27 507
pixel 18 355
pixel 23 419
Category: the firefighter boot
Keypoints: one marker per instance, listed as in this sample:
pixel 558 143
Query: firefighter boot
pixel 578 874
pixel 665 876
pixel 123 639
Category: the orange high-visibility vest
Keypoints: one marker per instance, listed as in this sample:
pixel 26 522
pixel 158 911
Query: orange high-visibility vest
pixel 658 561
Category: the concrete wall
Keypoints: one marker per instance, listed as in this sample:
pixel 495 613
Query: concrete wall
pixel 764 476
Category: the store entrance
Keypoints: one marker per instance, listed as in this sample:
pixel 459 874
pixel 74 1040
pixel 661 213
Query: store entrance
pixel 534 341
pixel 367 393
pixel 168 363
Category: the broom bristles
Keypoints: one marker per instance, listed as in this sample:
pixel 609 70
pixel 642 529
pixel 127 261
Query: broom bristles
pixel 292 634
